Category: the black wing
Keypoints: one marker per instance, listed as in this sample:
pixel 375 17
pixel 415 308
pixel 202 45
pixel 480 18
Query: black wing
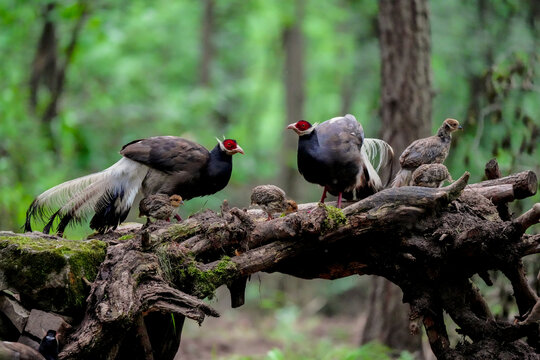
pixel 167 153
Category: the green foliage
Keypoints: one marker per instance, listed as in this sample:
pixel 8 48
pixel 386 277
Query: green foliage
pixel 135 73
pixel 486 67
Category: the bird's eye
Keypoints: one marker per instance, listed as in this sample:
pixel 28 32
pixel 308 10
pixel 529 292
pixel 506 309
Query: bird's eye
pixel 303 125
pixel 229 144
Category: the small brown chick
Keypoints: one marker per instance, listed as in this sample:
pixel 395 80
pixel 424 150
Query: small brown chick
pixel 270 198
pixel 431 150
pixel 159 207
pixel 292 206
pixel 431 175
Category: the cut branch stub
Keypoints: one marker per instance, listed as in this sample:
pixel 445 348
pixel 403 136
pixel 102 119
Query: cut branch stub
pixel 427 241
pixel 524 184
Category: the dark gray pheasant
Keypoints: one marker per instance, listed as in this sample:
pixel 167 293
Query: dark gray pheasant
pixel 335 155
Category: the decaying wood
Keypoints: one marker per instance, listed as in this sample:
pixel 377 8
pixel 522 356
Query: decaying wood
pixel 524 184
pixel 492 172
pixel 429 242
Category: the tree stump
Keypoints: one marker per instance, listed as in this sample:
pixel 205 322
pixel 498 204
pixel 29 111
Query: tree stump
pixel 429 242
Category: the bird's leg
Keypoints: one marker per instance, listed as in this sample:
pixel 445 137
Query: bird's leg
pixel 148 222
pixel 323 195
pixel 177 217
pixel 269 216
pixel 339 200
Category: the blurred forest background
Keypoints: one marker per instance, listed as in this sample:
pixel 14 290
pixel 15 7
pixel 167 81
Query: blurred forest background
pixel 80 79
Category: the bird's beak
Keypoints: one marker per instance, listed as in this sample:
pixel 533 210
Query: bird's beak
pixel 460 127
pixel 239 150
pixel 291 126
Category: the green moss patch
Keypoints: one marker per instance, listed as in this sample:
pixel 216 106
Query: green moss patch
pixel 183 230
pixel 334 218
pixel 187 275
pixel 49 271
pixel 126 237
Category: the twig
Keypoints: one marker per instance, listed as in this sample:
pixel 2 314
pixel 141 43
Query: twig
pixel 530 218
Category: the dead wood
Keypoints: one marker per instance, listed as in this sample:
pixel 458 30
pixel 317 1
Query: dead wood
pixel 524 184
pixel 429 242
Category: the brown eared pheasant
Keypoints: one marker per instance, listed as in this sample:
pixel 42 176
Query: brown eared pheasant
pixel 163 164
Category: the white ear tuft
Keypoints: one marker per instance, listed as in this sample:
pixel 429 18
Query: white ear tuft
pixel 221 146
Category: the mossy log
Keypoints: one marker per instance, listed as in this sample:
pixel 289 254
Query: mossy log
pixel 429 242
pixel 49 272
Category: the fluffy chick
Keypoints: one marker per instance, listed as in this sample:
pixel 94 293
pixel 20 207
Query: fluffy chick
pixel 270 198
pixel 159 207
pixel 431 175
pixel 430 150
pixel 292 206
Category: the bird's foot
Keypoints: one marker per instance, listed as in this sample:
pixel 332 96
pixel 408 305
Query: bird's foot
pixel 323 195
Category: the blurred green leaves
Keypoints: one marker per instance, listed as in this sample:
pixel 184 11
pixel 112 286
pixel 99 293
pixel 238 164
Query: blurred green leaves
pixel 324 350
pixel 136 73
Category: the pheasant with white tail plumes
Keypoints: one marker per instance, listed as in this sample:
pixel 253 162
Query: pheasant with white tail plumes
pixel 335 155
pixel 161 164
pixel 430 150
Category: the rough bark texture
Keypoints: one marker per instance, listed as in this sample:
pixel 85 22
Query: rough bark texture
pixel 406 97
pixel 404 37
pixel 429 242
pixel 293 77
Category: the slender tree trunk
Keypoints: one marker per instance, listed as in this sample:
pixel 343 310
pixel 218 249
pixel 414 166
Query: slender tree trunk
pixel 406 99
pixel 293 43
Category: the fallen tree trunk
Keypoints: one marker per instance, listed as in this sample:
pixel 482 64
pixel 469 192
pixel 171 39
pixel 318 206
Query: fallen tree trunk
pixel 429 242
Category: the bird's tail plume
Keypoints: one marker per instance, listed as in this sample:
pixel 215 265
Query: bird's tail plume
pixel 378 157
pixel 403 178
pixel 109 194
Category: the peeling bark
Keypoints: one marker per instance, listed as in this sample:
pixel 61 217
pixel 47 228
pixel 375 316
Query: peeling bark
pixel 429 242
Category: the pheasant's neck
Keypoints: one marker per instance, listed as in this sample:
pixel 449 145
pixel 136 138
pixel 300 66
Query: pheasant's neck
pixel 444 134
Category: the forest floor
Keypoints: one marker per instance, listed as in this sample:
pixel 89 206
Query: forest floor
pixel 250 332
pixel 244 336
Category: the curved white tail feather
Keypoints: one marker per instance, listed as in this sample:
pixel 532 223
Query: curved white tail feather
pixel 403 178
pixel 379 153
pixel 110 190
